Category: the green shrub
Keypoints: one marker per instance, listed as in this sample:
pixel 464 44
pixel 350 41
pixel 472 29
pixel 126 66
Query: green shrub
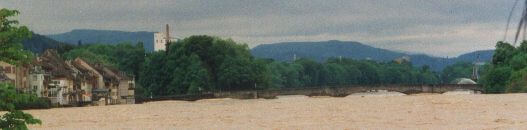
pixel 14 118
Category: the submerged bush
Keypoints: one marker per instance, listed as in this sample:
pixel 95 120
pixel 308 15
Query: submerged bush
pixel 14 118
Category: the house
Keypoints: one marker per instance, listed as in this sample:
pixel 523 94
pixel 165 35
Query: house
pixel 92 81
pixel 17 75
pixel 36 80
pixel 126 88
pixel 70 83
pixel 60 86
pixel 4 78
pixel 108 84
pixel 111 83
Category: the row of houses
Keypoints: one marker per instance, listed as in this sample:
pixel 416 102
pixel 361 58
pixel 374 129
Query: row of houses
pixel 70 83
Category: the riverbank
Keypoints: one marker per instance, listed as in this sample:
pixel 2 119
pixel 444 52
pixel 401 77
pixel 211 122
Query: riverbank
pixel 436 111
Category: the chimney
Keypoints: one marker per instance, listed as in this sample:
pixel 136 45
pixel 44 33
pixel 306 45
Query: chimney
pixel 167 34
pixel 167 38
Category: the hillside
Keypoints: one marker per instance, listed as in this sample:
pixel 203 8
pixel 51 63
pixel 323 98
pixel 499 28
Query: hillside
pixel 484 55
pixel 320 51
pixel 39 43
pixel 282 51
pixel 88 36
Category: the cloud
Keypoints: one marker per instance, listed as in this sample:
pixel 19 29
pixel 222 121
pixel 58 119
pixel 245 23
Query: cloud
pixel 437 27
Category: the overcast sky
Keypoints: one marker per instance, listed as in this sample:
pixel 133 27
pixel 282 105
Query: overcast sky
pixel 435 27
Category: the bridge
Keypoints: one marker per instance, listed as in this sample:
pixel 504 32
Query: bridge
pixel 333 91
pixel 342 91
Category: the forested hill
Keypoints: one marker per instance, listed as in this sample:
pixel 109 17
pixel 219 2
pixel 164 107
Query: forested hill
pixel 88 36
pixel 320 51
pixel 484 55
pixel 39 43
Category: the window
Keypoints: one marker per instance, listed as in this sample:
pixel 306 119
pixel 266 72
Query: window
pixel 7 69
pixel 35 78
pixel 131 85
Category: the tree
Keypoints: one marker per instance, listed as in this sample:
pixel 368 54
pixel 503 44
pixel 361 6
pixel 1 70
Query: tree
pixel 336 74
pixel 495 81
pixel 455 71
pixel 503 52
pixel 203 64
pixel 14 119
pixel 154 77
pixel 11 37
pixel 312 73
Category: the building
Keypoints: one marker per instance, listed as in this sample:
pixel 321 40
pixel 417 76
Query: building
pixel 70 83
pixel 403 59
pixel 464 81
pixel 59 82
pixel 17 75
pixel 161 39
pixel 126 88
pixel 90 80
pixel 109 86
pixel 4 78
pixel 36 80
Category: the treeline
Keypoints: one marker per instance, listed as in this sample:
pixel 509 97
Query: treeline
pixel 125 56
pixel 199 64
pixel 342 72
pixel 508 70
pixel 202 64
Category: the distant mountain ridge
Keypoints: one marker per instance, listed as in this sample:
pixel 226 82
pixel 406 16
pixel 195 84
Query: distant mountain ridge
pixel 39 43
pixel 323 50
pixel 90 36
pixel 319 51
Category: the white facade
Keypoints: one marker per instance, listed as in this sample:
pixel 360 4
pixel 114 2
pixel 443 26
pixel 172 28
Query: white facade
pixel 36 84
pixel 58 91
pixel 160 41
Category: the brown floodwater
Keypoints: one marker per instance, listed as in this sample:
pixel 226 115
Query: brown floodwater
pixel 424 111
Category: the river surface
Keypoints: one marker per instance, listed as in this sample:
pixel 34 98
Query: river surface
pixel 455 110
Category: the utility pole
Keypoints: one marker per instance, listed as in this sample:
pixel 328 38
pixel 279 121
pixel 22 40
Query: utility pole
pixel 475 69
pixel 294 57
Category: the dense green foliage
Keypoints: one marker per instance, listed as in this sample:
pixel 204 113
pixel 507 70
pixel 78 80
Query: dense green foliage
pixel 345 72
pixel 200 64
pixel 203 64
pixel 11 51
pixel 11 101
pixel 458 70
pixel 22 101
pixel 11 37
pixel 508 71
pixel 124 56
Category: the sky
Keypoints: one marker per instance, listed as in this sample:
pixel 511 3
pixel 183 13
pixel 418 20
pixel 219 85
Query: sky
pixel 435 27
